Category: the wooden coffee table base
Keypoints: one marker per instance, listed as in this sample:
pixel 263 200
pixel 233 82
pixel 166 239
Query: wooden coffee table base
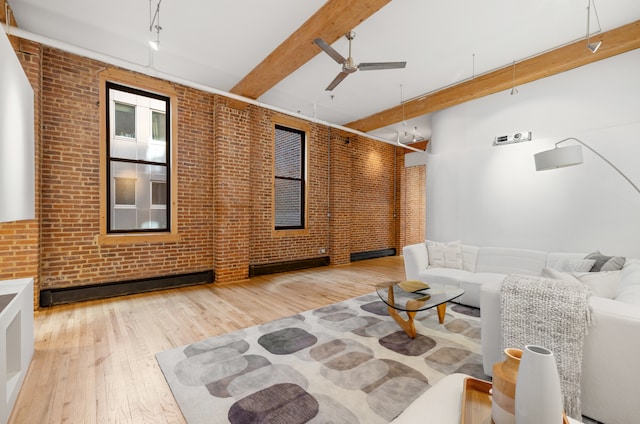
pixel 408 325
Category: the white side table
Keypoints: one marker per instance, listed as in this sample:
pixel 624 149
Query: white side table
pixel 440 404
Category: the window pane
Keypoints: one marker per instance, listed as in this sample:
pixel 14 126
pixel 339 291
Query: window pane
pixel 288 198
pixel 140 186
pixel 125 191
pixel 158 193
pixel 158 126
pixel 288 152
pixel 125 120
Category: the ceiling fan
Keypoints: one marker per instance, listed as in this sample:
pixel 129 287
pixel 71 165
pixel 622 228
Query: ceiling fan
pixel 348 67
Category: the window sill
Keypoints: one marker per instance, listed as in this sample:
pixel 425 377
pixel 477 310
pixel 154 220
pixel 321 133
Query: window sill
pixel 290 233
pixel 138 238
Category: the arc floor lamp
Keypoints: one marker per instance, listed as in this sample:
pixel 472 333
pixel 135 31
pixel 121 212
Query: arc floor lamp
pixel 560 157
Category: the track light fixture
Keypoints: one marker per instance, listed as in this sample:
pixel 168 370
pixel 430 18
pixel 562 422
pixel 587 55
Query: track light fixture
pixel 592 47
pixel 155 24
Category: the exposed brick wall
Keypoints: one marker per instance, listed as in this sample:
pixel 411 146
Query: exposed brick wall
pixel 225 178
pixel 232 192
pixel 20 241
pixel 340 193
pixel 265 247
pixel 414 204
pixel 372 195
pixel 70 191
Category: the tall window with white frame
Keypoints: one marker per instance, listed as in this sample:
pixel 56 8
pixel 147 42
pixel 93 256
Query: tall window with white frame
pixel 289 178
pixel 138 160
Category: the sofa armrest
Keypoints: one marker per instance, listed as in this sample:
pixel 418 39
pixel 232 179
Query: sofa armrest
pixel 416 259
pixel 610 373
pixel 490 325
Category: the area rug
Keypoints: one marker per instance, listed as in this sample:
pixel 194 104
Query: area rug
pixel 344 363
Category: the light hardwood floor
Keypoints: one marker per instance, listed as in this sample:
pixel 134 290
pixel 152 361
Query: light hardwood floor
pixel 94 361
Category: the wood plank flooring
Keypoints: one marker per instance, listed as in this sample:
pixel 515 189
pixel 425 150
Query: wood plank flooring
pixel 94 361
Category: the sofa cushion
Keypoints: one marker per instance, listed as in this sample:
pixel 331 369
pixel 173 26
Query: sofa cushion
pixel 603 284
pixel 469 257
pixel 503 260
pixel 444 275
pixel 446 255
pixel 630 294
pixel 473 284
pixel 630 274
pixel 605 263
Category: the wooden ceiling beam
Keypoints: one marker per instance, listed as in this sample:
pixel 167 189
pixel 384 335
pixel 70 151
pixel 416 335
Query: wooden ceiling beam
pixel 614 42
pixel 334 19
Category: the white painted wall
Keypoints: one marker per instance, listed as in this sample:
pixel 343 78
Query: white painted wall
pixel 17 175
pixel 486 195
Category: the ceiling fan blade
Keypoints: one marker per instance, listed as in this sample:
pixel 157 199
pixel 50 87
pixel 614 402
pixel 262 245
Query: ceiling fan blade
pixel 381 65
pixel 330 50
pixel 337 80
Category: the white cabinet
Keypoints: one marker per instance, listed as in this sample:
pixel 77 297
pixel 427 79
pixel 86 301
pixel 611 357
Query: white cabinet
pixel 16 339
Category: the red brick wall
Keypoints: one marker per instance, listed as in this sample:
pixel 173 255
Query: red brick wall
pixel 70 255
pixel 225 164
pixel 265 246
pixel 372 195
pixel 414 204
pixel 232 192
pixel 19 241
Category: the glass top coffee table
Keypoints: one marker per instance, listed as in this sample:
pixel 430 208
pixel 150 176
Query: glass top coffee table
pixel 413 296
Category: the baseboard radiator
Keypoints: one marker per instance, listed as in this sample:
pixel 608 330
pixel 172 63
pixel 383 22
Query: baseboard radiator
pixel 361 256
pixel 59 296
pixel 272 268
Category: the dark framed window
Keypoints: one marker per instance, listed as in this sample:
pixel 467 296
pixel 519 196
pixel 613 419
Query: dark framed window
pixel 138 160
pixel 289 178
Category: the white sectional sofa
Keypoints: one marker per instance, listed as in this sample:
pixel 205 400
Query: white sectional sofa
pixel 478 265
pixel 611 355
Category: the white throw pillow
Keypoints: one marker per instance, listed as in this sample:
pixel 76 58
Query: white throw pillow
pixel 445 255
pixel 602 284
pixel 573 265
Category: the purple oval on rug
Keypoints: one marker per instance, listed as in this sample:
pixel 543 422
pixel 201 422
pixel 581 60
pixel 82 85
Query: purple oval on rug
pixel 287 341
pixel 400 343
pixel 280 403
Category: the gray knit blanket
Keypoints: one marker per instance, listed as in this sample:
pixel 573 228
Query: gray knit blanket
pixel 550 313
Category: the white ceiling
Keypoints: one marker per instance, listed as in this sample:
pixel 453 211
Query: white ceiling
pixel 218 42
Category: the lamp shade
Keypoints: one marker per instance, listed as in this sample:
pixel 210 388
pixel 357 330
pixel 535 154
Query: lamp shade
pixel 559 157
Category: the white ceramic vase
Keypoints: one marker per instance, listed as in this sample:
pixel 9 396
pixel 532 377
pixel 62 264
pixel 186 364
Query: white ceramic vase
pixel 538 394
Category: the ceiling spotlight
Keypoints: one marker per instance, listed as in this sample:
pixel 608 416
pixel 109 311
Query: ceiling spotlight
pixel 155 24
pixel 592 47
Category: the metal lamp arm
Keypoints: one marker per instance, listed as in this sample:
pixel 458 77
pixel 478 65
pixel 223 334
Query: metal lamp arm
pixel 603 158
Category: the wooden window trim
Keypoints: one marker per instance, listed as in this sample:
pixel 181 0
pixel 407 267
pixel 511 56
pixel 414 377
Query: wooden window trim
pixel 303 126
pixel 153 85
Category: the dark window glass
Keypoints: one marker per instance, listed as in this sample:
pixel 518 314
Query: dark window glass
pixel 289 182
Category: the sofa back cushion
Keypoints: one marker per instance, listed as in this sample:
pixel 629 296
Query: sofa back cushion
pixel 469 257
pixel 630 275
pixel 569 262
pixel 505 260
pixel 416 260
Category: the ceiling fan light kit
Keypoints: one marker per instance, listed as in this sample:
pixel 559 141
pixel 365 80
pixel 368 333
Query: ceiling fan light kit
pixel 348 64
